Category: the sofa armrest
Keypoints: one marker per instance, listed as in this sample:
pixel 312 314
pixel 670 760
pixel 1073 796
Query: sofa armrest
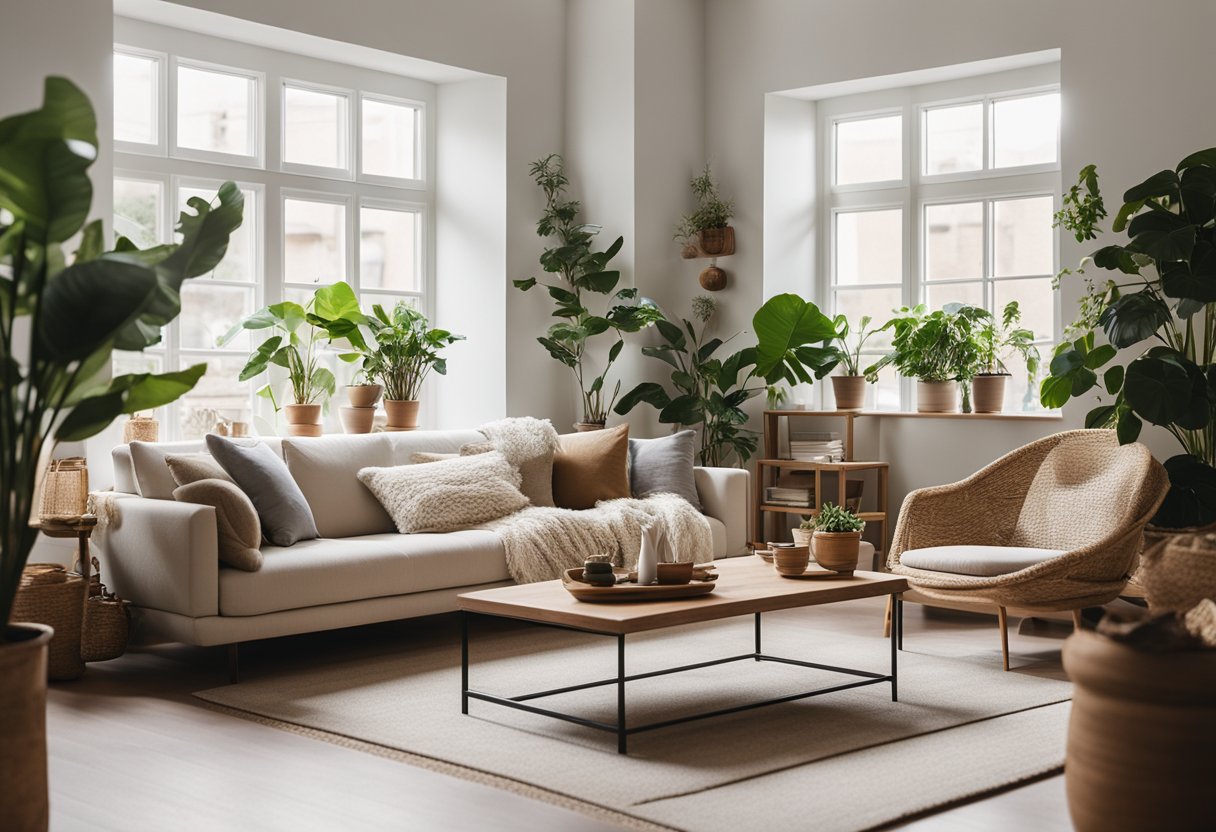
pixel 160 554
pixel 725 494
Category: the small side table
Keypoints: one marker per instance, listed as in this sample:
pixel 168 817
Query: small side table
pixel 80 528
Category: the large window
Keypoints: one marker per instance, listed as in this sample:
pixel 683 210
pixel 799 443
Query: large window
pixel 334 190
pixel 942 194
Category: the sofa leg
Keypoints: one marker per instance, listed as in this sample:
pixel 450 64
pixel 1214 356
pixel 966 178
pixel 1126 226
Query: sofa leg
pixel 234 664
pixel 1002 622
pixel 886 621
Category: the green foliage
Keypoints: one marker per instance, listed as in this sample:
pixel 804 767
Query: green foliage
pixel 581 271
pixel 934 346
pixel 712 210
pixel 834 519
pixel 1162 306
pixel 406 350
pixel 60 322
pixel 846 355
pixel 995 340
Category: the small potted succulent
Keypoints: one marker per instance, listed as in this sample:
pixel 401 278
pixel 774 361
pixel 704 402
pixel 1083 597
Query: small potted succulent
pixel 836 542
pixel 995 340
pixel 849 387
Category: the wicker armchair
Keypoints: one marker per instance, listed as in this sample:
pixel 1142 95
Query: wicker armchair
pixel 1079 493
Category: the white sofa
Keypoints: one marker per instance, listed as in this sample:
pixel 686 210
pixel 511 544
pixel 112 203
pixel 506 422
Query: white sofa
pixel 161 554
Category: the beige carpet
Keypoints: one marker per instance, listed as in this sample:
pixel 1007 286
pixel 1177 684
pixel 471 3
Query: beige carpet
pixel 844 761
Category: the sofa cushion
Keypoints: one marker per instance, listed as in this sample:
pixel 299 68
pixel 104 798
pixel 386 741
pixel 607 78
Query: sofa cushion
pixel 238 530
pixel 664 466
pixel 263 476
pixel 139 468
pixel 188 468
pixel 326 469
pixel 717 531
pixel 530 445
pixel 981 561
pixel 446 495
pixel 315 572
pixel 590 467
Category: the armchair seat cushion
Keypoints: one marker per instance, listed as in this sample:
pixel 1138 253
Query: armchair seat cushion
pixel 980 561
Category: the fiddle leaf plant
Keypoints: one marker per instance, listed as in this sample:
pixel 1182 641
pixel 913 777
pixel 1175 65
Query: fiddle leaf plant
pixel 60 322
pixel 1159 315
pixel 582 272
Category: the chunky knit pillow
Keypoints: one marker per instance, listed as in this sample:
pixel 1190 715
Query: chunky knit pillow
pixel 448 494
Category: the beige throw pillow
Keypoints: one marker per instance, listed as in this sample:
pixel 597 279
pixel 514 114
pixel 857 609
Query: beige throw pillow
pixel 591 467
pixel 188 468
pixel 239 532
pixel 447 495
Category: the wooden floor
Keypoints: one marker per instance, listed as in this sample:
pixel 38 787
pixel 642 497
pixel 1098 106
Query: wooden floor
pixel 130 749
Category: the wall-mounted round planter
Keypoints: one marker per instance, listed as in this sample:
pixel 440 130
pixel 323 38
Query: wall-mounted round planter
pixel 713 279
pixel 717 242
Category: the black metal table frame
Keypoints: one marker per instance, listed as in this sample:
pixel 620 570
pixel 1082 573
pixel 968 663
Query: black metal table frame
pixel 621 729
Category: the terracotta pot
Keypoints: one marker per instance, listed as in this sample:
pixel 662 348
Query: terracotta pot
pixel 850 392
pixel 717 242
pixel 988 392
pixel 1140 736
pixel 791 560
pixel 357 419
pixel 802 537
pixel 363 395
pixel 305 430
pixel 302 414
pixel 1179 572
pixel 936 396
pixel 713 279
pixel 837 551
pixel 586 427
pixel 402 414
pixel 23 663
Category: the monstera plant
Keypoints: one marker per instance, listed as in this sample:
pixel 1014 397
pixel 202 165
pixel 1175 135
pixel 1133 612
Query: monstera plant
pixel 1158 314
pixel 61 318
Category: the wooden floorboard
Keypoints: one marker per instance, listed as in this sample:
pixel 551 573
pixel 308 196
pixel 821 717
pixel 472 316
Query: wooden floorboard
pixel 131 750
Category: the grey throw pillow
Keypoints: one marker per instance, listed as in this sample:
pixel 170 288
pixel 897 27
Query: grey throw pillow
pixel 263 476
pixel 664 466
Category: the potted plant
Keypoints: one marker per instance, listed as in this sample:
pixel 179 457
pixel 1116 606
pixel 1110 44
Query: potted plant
pixel 994 341
pixel 708 227
pixel 849 387
pixel 406 350
pixel 335 309
pixel 935 348
pixel 580 270
pixel 56 345
pixel 803 531
pixel 709 392
pixel 836 541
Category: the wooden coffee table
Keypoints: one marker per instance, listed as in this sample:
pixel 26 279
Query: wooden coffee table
pixel 747 586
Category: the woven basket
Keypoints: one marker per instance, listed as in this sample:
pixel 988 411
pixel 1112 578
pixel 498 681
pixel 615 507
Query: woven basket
pixel 51 595
pixel 141 429
pixel 1180 574
pixel 65 489
pixel 107 623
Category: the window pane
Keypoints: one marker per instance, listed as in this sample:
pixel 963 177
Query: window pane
pixel 389 132
pixel 1021 393
pixel 877 303
pixel 208 311
pixel 388 249
pixel 388 301
pixel 1024 130
pixel 314 241
pixel 314 128
pixel 217 395
pixel 137 211
pixel 869 247
pixel 954 138
pixel 215 111
pixel 240 263
pixel 136 98
pixel 954 241
pixel 1022 237
pixel 885 394
pixel 938 295
pixel 1036 301
pixel 869 150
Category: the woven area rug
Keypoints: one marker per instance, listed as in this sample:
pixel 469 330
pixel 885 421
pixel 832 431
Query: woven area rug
pixel 843 761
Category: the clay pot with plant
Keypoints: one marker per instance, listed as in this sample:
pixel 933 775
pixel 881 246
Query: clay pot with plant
pixel 938 350
pixel 836 541
pixel 407 348
pixel 849 387
pixel 707 229
pixel 57 341
pixel 994 341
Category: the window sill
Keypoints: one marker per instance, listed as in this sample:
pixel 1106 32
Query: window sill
pixel 1051 416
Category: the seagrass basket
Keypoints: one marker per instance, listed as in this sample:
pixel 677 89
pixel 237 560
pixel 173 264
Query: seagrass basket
pixel 65 489
pixel 51 595
pixel 107 622
pixel 141 429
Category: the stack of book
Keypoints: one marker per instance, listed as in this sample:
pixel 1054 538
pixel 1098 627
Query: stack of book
pixel 781 496
pixel 817 447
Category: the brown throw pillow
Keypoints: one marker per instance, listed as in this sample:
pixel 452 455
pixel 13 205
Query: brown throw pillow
pixel 590 467
pixel 188 468
pixel 238 530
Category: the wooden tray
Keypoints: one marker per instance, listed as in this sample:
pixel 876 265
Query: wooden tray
pixel 702 584
pixel 818 574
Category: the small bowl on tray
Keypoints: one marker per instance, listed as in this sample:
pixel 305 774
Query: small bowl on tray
pixel 701 582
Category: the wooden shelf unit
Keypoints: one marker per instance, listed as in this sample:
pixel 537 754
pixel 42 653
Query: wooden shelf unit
pixel 771 466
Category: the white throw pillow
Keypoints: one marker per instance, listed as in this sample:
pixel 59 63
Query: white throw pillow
pixel 447 495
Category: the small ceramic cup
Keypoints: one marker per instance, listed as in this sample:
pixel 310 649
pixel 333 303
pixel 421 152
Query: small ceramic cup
pixel 791 560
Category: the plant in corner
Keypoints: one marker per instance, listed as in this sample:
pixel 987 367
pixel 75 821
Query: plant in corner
pixel 937 349
pixel 994 341
pixel 708 227
pixel 581 271
pixel 849 387
pixel 407 350
pixel 837 538
pixel 59 325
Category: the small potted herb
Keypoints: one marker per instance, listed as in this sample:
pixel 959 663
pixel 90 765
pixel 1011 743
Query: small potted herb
pixel 850 386
pixel 836 541
pixel 993 341
pixel 707 229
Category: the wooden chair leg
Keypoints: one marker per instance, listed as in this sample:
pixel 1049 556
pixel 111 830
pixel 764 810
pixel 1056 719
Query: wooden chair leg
pixel 1076 619
pixel 1002 621
pixel 886 621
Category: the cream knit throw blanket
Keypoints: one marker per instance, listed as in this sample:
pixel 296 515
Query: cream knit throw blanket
pixel 541 543
pixel 522 439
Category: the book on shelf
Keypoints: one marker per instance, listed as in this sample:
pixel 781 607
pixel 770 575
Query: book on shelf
pixel 789 503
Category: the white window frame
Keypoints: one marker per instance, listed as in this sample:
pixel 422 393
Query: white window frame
pixel 349 134
pixel 918 189
pixel 161 146
pixel 348 202
pixel 420 153
pixel 421 269
pixel 164 222
pixel 257 118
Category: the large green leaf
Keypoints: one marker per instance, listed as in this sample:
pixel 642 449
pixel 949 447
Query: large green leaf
pixel 1162 235
pixel 1157 389
pixel 782 324
pixel 683 410
pixel 126 394
pixel 205 233
pixel 649 392
pixel 1191 500
pixel 88 303
pixel 1163 183
pixel 1133 318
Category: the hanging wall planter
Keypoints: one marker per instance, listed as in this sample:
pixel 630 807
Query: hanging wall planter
pixel 706 231
pixel 717 242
